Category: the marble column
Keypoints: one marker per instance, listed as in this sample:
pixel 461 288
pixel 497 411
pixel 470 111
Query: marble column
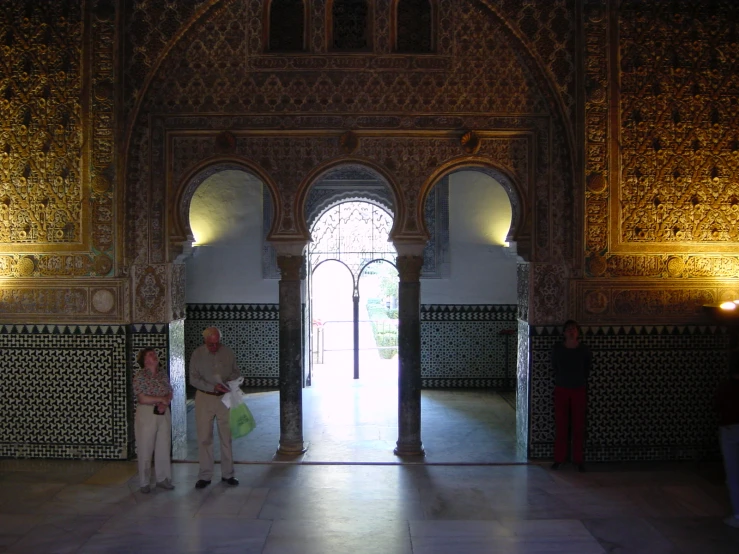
pixel 409 356
pixel 291 356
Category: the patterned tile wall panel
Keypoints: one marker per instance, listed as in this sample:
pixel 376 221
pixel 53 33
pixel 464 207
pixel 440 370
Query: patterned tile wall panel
pixel 146 335
pixel 178 379
pixel 67 361
pixel 251 330
pixel 523 390
pixel 650 395
pixel 466 346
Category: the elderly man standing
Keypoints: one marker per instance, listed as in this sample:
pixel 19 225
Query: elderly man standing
pixel 211 366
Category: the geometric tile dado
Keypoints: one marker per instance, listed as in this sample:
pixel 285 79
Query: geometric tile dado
pixel 650 394
pixel 250 330
pixel 465 346
pixel 48 373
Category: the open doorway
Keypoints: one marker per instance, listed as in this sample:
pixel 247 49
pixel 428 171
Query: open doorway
pixel 352 295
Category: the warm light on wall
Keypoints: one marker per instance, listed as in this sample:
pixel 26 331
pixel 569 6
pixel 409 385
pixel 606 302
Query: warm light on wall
pixel 731 305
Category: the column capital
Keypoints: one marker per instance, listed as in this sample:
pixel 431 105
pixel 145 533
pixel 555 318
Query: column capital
pixel 292 247
pixel 409 268
pixel 290 267
pixel 409 248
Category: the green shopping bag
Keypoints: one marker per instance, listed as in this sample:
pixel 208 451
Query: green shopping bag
pixel 241 420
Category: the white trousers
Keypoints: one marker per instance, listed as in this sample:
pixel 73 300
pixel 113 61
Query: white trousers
pixel 207 408
pixel 153 436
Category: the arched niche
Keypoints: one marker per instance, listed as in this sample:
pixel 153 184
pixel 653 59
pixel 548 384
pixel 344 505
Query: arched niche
pixel 181 235
pixel 519 233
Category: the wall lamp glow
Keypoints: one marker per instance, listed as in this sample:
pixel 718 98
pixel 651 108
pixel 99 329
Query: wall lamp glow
pixel 728 306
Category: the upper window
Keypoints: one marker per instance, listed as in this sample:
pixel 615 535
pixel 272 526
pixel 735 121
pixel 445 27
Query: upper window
pixel 413 26
pixel 286 26
pixel 350 25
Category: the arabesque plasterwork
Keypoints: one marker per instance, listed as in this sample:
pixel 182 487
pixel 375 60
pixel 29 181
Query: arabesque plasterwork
pixel 662 206
pixel 58 205
pixel 406 114
pixel 650 116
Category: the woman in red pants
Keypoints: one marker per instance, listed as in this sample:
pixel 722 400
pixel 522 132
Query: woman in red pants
pixel 572 362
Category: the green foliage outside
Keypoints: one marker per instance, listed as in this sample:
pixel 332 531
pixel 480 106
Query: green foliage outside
pixel 387 338
pixel 384 331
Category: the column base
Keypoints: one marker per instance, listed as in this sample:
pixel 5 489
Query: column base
pixel 415 449
pixel 292 448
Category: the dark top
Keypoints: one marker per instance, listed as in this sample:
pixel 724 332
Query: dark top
pixel 727 402
pixel 571 365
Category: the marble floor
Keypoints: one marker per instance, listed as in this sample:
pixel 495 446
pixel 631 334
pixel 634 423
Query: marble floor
pixel 470 494
pixel 356 421
pixel 96 507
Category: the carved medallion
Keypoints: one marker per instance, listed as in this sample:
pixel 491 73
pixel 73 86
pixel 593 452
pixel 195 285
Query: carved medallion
pixel 100 184
pixel 596 302
pixel 225 143
pixel 597 265
pixel 470 142
pixel 349 142
pixel 675 266
pixel 26 266
pixel 102 265
pixel 103 301
pixel 596 183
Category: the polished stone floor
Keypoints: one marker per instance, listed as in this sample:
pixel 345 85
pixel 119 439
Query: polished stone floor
pixel 350 421
pixel 470 494
pixel 96 507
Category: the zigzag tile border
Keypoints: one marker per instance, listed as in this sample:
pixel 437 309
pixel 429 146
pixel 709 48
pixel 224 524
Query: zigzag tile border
pixel 498 384
pixel 468 345
pixel 62 329
pixel 468 312
pixel 266 312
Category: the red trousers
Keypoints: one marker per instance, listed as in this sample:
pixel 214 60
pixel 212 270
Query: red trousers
pixel 569 403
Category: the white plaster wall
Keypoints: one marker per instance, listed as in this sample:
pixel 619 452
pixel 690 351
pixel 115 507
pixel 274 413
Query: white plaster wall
pixel 226 220
pixel 479 220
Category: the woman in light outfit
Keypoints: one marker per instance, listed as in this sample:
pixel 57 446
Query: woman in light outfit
pixel 153 425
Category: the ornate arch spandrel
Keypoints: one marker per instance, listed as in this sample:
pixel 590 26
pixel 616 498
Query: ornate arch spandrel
pixel 521 218
pixel 318 172
pixel 182 192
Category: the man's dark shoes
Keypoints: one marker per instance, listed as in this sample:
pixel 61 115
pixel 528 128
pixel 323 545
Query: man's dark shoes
pixel 231 481
pixel 201 484
pixel 555 465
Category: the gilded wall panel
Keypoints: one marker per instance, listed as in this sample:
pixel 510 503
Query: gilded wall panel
pixel 57 153
pixel 676 189
pixel 648 300
pixel 42 192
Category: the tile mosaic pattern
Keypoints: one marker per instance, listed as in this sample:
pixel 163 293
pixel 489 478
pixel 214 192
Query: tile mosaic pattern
pixel 48 371
pixel 252 332
pixel 178 379
pixel 650 395
pixel 468 346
